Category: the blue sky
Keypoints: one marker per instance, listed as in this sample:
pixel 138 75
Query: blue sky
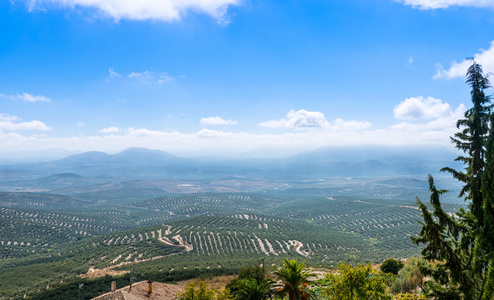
pixel 230 76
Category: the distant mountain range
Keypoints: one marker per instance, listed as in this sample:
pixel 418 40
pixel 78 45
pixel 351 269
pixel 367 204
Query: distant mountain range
pixel 141 163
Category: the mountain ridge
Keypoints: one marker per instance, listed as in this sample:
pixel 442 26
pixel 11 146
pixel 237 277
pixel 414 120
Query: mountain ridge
pixel 143 163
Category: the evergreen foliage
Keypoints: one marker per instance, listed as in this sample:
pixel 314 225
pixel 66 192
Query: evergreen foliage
pixel 472 139
pixel 459 246
pixel 487 240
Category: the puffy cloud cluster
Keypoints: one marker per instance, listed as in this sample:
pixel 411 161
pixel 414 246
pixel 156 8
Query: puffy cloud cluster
pixel 426 120
pixel 459 69
pixel 443 123
pixel 207 133
pixel 432 118
pixel 421 108
pixel 217 121
pixel 435 4
pixel 110 130
pixel 163 10
pixel 303 119
pixel 298 119
pixel 11 123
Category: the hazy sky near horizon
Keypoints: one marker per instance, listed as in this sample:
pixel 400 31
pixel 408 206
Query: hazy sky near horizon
pixel 236 75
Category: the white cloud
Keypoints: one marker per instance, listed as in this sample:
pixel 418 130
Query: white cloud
pixel 434 4
pixel 27 97
pixel 144 132
pixel 109 130
pixel 435 131
pixel 164 77
pixel 9 123
pixel 340 124
pixel 298 119
pixel 415 108
pixel 8 118
pixel 217 121
pixel 80 124
pixel 148 77
pixel 31 98
pixel 444 123
pixel 143 76
pixel 207 133
pixel 425 128
pixel 459 69
pixel 304 119
pixel 112 74
pixel 163 10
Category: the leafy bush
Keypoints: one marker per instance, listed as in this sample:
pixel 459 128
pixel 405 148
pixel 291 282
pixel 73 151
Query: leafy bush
pixel 359 282
pixel 248 272
pixel 202 292
pixel 251 289
pixel 294 280
pixel 410 297
pixel 409 278
pixel 391 266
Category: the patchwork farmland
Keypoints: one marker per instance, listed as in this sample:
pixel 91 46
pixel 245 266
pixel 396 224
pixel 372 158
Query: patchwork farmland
pixel 184 236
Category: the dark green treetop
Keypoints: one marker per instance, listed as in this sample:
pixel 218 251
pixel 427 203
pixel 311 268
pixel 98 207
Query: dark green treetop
pixel 472 139
pixel 459 246
pixel 391 265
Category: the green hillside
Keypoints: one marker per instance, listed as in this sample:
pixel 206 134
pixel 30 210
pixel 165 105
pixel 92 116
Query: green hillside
pixel 206 233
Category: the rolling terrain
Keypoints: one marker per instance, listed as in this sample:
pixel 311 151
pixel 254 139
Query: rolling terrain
pixel 56 228
pixel 207 232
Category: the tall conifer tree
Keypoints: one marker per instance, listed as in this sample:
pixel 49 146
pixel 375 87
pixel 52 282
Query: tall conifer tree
pixel 462 245
pixel 471 140
pixel 486 237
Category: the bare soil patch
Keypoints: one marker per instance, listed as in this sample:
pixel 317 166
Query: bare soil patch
pixel 139 291
pixel 95 273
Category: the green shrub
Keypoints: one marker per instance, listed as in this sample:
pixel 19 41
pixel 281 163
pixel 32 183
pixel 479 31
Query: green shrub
pixel 392 266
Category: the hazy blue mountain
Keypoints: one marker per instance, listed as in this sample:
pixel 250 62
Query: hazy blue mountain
pixel 373 161
pixel 143 156
pixel 140 163
pixel 365 153
pixel 91 157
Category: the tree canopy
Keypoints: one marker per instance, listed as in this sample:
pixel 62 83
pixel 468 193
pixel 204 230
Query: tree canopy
pixel 460 246
pixel 359 282
pixel 392 266
pixel 294 280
